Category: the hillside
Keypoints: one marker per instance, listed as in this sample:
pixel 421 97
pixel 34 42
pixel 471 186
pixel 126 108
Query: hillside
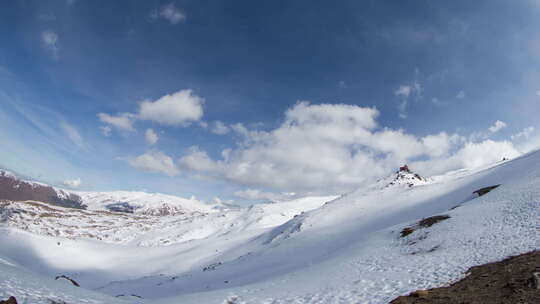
pixel 399 235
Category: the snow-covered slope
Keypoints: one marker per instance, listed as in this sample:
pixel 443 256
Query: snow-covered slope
pixel 344 250
pixel 143 229
pixel 143 203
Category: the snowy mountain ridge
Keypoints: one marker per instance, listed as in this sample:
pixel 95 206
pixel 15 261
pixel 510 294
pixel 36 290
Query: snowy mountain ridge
pixel 346 249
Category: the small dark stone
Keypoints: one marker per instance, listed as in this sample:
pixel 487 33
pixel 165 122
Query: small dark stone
pixel 11 300
pixel 485 190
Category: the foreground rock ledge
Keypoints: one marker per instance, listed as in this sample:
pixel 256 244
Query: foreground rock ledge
pixel 508 281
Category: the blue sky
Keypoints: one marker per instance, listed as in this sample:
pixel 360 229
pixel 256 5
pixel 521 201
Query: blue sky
pixel 256 100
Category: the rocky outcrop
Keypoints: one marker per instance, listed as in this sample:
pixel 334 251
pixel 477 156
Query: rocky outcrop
pixel 15 189
pixel 11 300
pixel 424 223
pixel 507 281
pixel 485 190
pixel 404 176
pixel 68 279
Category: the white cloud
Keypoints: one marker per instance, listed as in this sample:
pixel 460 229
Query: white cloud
pixel 106 130
pixel 497 126
pixel 483 135
pixel 538 93
pixel 328 148
pixel 73 134
pixel 123 121
pixel 172 13
pixel 220 128
pixel 50 41
pixel 175 109
pixel 156 162
pixel 72 183
pixel 151 137
pixel 523 134
pixel 460 95
pixel 405 92
pixel 471 155
pixel 438 102
pixel 342 85
pixel 256 194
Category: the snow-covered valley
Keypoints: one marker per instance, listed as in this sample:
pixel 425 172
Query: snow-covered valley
pixel 151 248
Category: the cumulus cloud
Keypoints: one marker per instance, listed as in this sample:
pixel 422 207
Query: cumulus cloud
pixel 123 121
pixel 156 162
pixel 151 137
pixel 175 109
pixel 73 134
pixel 220 128
pixel 72 183
pixel 172 13
pixel 334 148
pixel 497 126
pixel 471 155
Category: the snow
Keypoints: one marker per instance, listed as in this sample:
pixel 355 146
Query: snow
pixel 337 249
pixel 144 203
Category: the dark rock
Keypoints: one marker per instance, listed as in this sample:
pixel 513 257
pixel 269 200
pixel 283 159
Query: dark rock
pixel 485 190
pixel 432 220
pixel 406 231
pixel 535 280
pixel 120 207
pixel 11 300
pixel 424 223
pixel 404 168
pixel 68 279
pixel 212 266
pixel 507 281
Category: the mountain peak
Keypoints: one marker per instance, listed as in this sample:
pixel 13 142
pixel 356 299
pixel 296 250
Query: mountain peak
pixel 404 176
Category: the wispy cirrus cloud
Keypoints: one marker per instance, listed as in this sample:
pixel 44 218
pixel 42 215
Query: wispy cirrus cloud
pixel 170 12
pixel 406 91
pixel 73 134
pixel 50 41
